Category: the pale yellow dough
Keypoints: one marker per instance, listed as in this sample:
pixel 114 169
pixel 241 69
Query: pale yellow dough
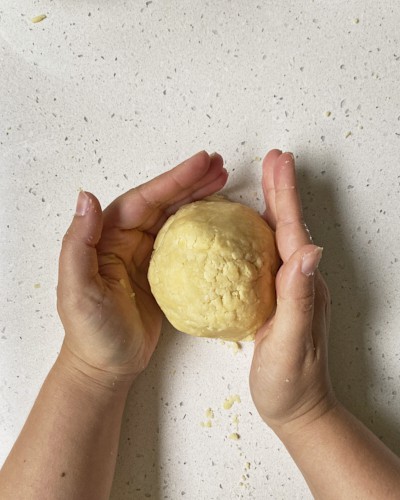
pixel 213 269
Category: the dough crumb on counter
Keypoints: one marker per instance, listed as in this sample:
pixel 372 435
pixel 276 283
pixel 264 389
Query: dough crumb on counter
pixel 234 436
pixel 39 19
pixel 209 413
pixel 230 401
pixel 235 346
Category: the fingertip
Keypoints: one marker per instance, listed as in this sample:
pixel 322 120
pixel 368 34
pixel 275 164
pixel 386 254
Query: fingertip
pixel 216 161
pixel 296 296
pixel 201 159
pixel 268 185
pixel 216 155
pixel 86 202
pixel 82 204
pixel 291 155
pixel 200 163
pixel 224 174
pixel 203 152
pixel 296 275
pixel 285 170
pixel 87 222
pixel 285 159
pixel 310 260
pixel 94 203
pixel 78 258
pixel 202 156
pixel 272 153
pixel 268 164
pixel 285 176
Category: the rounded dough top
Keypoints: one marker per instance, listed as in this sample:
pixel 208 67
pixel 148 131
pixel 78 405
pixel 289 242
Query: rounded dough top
pixel 213 269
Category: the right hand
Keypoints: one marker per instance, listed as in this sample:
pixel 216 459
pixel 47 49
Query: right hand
pixel 289 379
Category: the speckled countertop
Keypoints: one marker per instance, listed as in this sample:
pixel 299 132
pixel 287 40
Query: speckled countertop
pixel 104 95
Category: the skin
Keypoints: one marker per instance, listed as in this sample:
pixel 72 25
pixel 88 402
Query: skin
pixel 68 446
pixel 289 380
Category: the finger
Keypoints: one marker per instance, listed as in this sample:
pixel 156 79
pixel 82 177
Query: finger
pixel 201 193
pixel 133 246
pixel 207 190
pixel 269 186
pixel 78 259
pixel 291 231
pixel 141 206
pixel 207 186
pixel 294 315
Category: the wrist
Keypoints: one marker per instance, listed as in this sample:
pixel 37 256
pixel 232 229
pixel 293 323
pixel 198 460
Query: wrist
pixel 308 420
pixel 95 382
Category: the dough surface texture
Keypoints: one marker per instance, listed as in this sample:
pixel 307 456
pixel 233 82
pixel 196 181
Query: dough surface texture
pixel 213 270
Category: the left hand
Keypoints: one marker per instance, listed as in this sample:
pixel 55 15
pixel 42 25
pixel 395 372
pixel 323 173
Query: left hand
pixel 112 322
pixel 289 379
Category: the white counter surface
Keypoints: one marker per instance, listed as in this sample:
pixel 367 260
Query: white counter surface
pixel 105 95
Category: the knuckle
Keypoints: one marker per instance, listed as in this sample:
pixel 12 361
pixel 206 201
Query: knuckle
pixel 149 202
pixel 68 238
pixel 302 304
pixel 296 226
pixel 290 221
pixel 305 304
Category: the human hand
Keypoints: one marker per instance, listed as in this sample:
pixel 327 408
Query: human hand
pixel 289 379
pixel 112 322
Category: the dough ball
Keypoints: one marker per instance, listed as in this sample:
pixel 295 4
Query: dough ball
pixel 213 269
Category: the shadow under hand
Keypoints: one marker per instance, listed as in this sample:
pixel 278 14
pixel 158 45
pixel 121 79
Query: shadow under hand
pixel 137 474
pixel 354 301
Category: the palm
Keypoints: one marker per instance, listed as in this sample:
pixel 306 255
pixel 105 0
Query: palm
pixel 123 263
pixel 274 389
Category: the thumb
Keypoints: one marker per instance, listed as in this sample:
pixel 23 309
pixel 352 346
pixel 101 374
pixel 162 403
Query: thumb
pixel 78 259
pixel 295 296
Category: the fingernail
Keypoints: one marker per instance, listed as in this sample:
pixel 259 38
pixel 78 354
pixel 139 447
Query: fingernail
pixel 289 153
pixel 82 205
pixel 212 155
pixel 310 261
pixel 194 156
